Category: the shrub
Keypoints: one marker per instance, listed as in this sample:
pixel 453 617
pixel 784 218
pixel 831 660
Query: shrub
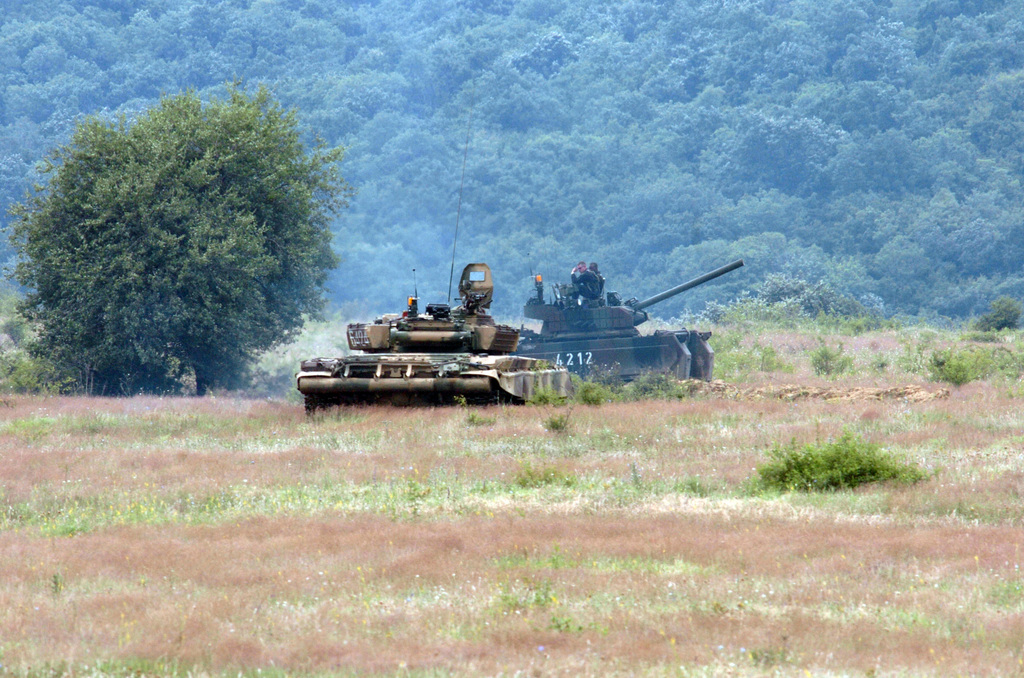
pixel 526 595
pixel 1004 314
pixel 960 366
pixel 533 477
pixel 12 323
pixel 16 328
pixel 656 386
pixel 1006 362
pixel 844 463
pixel 784 299
pixel 20 373
pixel 546 396
pixel 557 423
pixel 860 324
pixel 474 418
pixel 593 393
pixel 735 361
pixel 768 359
pixel 827 361
pixel 750 310
pixel 813 298
pixel 694 486
pixel 983 337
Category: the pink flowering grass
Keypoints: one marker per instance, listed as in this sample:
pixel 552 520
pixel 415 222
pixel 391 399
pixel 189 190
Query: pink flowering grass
pixel 220 535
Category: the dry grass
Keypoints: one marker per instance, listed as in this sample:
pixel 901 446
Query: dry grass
pixel 223 536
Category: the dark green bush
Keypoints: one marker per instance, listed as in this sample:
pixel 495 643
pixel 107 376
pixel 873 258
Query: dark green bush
pixel 593 393
pixel 982 336
pixel 1004 314
pixel 813 298
pixel 860 324
pixel 20 373
pixel 656 386
pixel 546 396
pixel 557 423
pixel 960 366
pixel 844 463
pixel 827 361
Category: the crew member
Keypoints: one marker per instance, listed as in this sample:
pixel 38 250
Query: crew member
pixel 580 268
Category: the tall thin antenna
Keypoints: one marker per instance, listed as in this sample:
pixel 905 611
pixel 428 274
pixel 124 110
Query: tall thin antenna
pixel 458 211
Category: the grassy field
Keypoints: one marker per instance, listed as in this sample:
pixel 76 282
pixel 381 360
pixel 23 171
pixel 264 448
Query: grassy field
pixel 226 536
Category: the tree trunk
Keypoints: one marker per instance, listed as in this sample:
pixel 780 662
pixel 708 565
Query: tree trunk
pixel 202 382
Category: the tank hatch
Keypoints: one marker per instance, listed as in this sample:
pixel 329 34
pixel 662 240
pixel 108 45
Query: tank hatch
pixel 476 288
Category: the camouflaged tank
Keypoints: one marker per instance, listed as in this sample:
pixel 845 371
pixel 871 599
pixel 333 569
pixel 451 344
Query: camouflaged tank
pixel 441 356
pixel 587 330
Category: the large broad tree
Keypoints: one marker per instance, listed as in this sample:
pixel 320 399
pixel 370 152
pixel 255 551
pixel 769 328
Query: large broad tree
pixel 170 250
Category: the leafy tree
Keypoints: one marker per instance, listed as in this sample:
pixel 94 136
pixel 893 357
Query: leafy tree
pixel 813 299
pixel 648 133
pixel 1004 314
pixel 172 249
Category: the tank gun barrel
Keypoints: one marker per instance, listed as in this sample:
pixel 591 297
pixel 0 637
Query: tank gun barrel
pixel 679 289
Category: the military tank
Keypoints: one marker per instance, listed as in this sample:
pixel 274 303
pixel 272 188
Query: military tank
pixel 442 356
pixel 587 330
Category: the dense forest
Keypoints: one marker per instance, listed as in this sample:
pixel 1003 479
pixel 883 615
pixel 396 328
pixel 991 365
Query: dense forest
pixel 875 145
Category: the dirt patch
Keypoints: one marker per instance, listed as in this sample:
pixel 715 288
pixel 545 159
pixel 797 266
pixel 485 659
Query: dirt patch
pixel 909 393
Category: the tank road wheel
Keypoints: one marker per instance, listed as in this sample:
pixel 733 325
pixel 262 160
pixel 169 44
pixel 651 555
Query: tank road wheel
pixel 319 402
pixel 399 399
pixel 509 399
pixel 312 404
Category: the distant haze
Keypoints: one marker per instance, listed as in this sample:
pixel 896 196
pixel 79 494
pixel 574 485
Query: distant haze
pixel 874 145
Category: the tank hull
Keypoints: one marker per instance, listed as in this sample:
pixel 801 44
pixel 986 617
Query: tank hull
pixel 426 379
pixel 683 354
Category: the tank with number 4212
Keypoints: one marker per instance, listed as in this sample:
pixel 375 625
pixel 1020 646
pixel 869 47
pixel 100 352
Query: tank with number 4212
pixel 589 331
pixel 442 356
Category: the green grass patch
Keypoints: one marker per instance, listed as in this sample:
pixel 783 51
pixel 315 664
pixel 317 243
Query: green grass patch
pixel 127 668
pixel 1008 595
pixel 605 564
pixel 474 418
pixel 525 595
pixel 844 463
pixel 734 360
pixel 695 487
pixel 531 476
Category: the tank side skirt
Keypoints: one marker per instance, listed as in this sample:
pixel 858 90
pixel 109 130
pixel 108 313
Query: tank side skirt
pixel 448 385
pixel 516 385
pixel 670 351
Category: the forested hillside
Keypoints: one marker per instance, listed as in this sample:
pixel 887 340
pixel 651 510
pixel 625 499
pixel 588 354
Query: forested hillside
pixel 873 144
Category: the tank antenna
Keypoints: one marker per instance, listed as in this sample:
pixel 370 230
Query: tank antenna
pixel 462 183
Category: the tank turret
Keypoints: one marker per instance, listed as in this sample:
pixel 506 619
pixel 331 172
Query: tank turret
pixel 439 356
pixel 465 329
pixel 586 329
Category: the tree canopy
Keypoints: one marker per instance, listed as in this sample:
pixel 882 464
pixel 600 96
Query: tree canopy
pixel 167 251
pixel 875 145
